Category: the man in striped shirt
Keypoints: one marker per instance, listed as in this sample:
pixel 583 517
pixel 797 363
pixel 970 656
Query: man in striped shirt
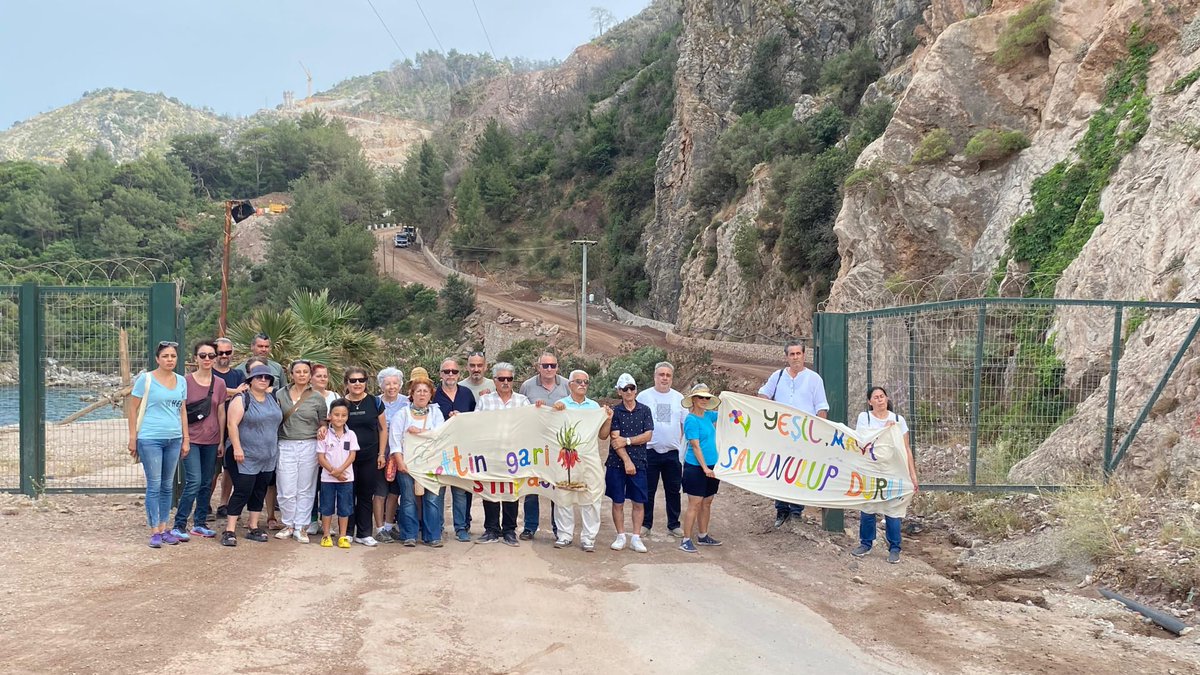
pixel 503 398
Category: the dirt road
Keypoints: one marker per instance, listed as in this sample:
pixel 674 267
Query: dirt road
pixel 604 335
pixel 82 593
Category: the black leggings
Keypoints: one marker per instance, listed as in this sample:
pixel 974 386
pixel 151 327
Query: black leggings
pixel 249 490
pixel 369 483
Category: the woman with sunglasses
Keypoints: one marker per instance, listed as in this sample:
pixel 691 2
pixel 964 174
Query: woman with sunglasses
pixel 205 408
pixel 452 400
pixel 419 417
pixel 254 418
pixel 304 412
pixel 369 424
pixel 157 432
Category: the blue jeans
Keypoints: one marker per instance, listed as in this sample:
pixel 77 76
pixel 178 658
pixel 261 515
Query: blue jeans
pixel 533 512
pixel 406 512
pixel 867 531
pixel 782 507
pixel 461 507
pixel 159 457
pixel 433 515
pixel 197 484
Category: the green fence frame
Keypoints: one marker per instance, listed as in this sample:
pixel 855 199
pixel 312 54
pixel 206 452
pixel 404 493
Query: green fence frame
pixel 831 332
pixel 164 324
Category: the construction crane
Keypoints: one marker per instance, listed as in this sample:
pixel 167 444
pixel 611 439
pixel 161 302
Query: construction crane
pixel 309 76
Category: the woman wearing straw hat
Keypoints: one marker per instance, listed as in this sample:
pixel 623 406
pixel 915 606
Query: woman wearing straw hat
pixel 419 417
pixel 254 419
pixel 699 483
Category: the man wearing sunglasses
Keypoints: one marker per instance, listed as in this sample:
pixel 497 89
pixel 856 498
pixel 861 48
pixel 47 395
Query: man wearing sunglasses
pixel 453 399
pixel 261 346
pixel 625 469
pixel 546 386
pixel 589 514
pixel 235 384
pixel 503 398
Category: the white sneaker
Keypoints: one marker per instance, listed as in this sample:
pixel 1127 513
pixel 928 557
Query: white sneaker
pixel 562 543
pixel 285 533
pixel 619 543
pixel 300 536
pixel 314 528
pixel 637 545
pixel 587 545
pixel 366 541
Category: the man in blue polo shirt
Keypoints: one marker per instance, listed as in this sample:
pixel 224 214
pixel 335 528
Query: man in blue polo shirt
pixel 625 469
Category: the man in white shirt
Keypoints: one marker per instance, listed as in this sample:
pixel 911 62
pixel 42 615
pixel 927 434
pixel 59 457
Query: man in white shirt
pixel 801 388
pixel 663 458
pixel 501 399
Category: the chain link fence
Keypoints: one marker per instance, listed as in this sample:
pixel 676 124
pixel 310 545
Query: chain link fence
pixel 983 382
pixel 10 459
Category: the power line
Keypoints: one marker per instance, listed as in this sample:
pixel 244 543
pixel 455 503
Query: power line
pixel 485 31
pixel 486 249
pixel 431 31
pixel 389 30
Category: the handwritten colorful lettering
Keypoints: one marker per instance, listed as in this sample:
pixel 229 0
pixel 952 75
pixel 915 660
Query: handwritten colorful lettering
pixel 782 453
pixel 504 455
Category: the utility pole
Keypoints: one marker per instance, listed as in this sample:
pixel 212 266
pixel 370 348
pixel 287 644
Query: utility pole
pixel 584 299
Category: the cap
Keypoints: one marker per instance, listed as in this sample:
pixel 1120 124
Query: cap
pixel 624 381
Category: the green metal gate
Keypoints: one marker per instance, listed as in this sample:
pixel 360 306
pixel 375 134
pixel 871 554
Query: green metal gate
pixel 68 343
pixel 982 382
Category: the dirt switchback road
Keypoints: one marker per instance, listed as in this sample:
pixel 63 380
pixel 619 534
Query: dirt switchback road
pixel 604 335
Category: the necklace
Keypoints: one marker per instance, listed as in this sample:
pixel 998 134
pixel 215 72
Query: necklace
pixel 418 411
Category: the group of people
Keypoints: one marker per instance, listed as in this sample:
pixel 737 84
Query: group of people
pixel 268 439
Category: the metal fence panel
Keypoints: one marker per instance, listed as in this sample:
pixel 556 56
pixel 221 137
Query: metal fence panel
pixel 984 382
pixel 10 447
pixel 94 339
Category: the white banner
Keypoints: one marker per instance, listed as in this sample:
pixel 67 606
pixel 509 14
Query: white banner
pixel 503 455
pixel 782 453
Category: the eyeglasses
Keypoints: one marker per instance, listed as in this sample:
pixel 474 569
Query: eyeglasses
pixel 168 343
pixel 262 377
pixel 207 356
pixel 449 371
pixel 356 380
pixel 548 366
pixel 504 379
pixel 630 387
pixel 582 383
pixel 225 353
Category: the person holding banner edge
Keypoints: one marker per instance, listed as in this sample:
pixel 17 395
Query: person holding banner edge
pixel 417 418
pixel 881 416
pixel 699 483
pixel 802 389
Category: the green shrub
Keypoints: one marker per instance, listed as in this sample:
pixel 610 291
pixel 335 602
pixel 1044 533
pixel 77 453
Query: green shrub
pixel 745 251
pixel 990 145
pixel 1183 82
pixel 1026 33
pixel 872 177
pixel 935 146
pixel 846 76
pixel 762 87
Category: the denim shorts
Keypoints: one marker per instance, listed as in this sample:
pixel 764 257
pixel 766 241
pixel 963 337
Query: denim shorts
pixel 619 486
pixel 696 484
pixel 341 494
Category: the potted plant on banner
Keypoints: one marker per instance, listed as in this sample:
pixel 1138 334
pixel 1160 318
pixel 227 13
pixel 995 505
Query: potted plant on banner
pixel 568 440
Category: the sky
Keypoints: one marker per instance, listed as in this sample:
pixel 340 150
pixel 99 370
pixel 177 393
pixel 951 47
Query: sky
pixel 238 56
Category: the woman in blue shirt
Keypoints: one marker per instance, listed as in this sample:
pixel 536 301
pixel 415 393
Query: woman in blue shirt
pixel 699 483
pixel 158 431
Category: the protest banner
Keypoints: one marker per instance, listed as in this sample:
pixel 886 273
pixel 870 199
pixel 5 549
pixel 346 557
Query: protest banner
pixel 780 452
pixel 503 455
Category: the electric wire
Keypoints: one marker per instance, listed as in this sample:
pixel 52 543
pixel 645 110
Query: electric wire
pixel 479 16
pixel 389 30
pixel 431 31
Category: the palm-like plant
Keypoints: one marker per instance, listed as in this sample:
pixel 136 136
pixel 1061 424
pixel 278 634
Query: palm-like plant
pixel 568 440
pixel 317 329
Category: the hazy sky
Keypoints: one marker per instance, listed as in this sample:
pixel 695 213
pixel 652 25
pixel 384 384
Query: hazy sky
pixel 239 56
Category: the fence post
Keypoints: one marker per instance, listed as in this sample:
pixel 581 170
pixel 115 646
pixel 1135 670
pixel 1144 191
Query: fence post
pixel 911 324
pixel 162 322
pixel 830 337
pixel 1110 415
pixel 870 352
pixel 976 385
pixel 32 412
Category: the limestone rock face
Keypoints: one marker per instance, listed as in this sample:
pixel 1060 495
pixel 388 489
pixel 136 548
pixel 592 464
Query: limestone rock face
pixel 716 48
